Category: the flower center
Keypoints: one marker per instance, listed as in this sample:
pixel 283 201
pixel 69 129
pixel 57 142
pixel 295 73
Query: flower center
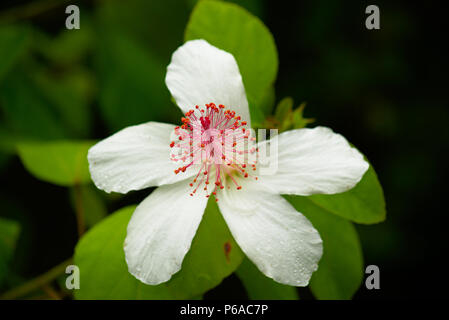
pixel 215 139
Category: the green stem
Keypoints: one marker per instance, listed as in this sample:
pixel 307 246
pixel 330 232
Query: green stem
pixel 37 282
pixel 79 209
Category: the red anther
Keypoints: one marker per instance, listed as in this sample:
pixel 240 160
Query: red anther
pixel 234 144
pixel 217 183
pixel 202 145
pixel 205 172
pixel 172 144
pixel 191 194
pixel 244 165
pixel 221 187
pixel 207 182
pixel 216 199
pixel 180 138
pixel 246 175
pixel 221 106
pixel 223 157
pixel 191 184
pixel 244 123
pixel 197 107
pixel 214 193
pixel 239 187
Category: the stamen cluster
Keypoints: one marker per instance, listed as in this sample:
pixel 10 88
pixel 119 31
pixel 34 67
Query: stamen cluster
pixel 215 138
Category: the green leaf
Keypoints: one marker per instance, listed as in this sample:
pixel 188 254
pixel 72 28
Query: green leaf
pixel 101 259
pixel 9 233
pixel 13 42
pixel 340 270
pixel 285 118
pixel 260 287
pixel 88 199
pixel 132 88
pixel 261 106
pixel 362 204
pixel 235 30
pixel 26 111
pixel 298 119
pixel 62 162
pixel 283 114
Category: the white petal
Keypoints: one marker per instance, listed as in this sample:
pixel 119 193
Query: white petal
pixel 161 230
pixel 280 241
pixel 135 158
pixel 200 73
pixel 312 161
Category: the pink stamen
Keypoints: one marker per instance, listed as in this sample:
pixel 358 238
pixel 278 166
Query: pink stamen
pixel 213 136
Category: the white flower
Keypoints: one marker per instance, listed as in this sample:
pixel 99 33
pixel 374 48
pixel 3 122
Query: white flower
pixel 279 240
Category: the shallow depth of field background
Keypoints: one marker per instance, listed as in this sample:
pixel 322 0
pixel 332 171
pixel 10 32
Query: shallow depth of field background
pixel 385 90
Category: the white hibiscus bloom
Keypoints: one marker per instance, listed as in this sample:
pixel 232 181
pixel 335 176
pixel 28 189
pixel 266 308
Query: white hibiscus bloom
pixel 281 242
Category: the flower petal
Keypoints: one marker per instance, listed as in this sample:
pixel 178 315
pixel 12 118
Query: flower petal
pixel 200 73
pixel 312 161
pixel 161 230
pixel 280 241
pixel 134 158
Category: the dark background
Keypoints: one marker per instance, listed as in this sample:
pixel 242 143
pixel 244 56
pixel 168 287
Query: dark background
pixel 385 90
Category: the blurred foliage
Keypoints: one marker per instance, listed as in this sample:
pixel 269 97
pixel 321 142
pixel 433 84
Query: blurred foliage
pixel 87 199
pixel 61 89
pixel 9 232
